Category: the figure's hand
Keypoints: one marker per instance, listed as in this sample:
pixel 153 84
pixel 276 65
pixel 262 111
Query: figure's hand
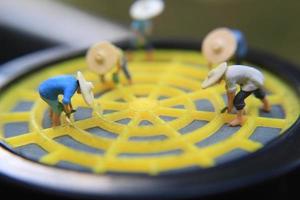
pixel 68 109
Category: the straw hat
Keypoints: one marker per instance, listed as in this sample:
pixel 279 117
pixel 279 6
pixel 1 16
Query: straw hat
pixel 86 89
pixel 102 57
pixel 146 9
pixel 219 45
pixel 214 75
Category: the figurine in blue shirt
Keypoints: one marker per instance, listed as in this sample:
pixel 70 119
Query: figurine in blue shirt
pixel 65 85
pixel 142 12
pixel 142 30
pixel 242 47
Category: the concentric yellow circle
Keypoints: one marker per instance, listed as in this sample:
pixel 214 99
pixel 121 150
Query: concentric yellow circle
pixel 163 121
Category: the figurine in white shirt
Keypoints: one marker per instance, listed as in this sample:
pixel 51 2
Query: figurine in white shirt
pixel 250 81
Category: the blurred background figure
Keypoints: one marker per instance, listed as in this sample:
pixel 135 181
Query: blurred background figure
pixel 142 12
pixel 103 58
pixel 32 25
pixel 224 44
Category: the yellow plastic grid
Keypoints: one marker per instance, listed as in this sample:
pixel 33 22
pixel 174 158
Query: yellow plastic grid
pixel 172 72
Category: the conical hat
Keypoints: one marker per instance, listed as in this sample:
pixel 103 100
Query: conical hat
pixel 86 89
pixel 219 45
pixel 102 57
pixel 214 75
pixel 146 9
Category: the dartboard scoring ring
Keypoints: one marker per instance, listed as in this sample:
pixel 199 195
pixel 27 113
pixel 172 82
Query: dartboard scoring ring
pixel 162 122
pixel 114 138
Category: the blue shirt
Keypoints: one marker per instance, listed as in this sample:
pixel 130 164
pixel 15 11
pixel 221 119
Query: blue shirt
pixel 241 50
pixel 142 26
pixel 65 85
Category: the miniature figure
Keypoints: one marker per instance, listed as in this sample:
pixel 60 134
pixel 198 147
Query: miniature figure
pixel 223 44
pixel 65 85
pixel 142 30
pixel 104 57
pixel 250 80
pixel 142 11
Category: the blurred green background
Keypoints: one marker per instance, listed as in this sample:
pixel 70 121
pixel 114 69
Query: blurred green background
pixel 271 25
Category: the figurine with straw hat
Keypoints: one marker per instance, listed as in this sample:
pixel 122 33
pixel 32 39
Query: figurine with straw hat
pixel 142 11
pixel 223 44
pixel 104 57
pixel 65 85
pixel 250 81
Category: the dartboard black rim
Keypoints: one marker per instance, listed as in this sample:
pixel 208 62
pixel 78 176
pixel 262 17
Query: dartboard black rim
pixel 276 158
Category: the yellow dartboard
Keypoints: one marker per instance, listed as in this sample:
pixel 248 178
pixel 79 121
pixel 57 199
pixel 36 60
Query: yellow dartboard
pixel 162 125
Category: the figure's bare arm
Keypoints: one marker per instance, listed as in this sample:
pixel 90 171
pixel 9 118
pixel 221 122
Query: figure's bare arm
pixel 230 97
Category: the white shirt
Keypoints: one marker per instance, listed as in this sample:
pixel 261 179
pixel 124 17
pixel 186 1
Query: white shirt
pixel 248 78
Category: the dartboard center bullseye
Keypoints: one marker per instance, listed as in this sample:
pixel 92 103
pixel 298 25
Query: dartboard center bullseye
pixel 143 104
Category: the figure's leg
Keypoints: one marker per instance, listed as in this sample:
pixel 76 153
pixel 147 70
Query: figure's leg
pixel 57 109
pixel 150 56
pixel 239 120
pixel 52 104
pixel 125 70
pixel 266 105
pixel 50 113
pixel 115 77
pixel 261 94
pixel 239 104
pixel 56 119
pixel 129 54
pixel 150 49
pixel 102 78
pixel 132 46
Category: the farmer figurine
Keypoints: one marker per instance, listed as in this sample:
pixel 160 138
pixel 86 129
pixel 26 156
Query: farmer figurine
pixel 105 57
pixel 250 81
pixel 142 30
pixel 142 12
pixel 65 85
pixel 224 44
